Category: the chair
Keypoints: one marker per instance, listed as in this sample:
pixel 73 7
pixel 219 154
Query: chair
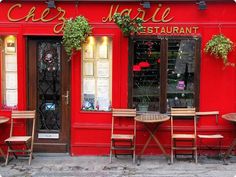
pixel 122 135
pixel 176 132
pixel 218 137
pixel 21 145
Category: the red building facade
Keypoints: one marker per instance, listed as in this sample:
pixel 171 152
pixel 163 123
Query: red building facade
pixel 38 31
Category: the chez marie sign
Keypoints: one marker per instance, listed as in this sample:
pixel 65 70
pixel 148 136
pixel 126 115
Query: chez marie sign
pixel 160 15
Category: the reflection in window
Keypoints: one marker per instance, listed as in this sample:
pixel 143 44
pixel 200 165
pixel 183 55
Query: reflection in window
pixel 9 71
pixel 180 88
pixel 97 74
pixel 146 75
pixel 163 73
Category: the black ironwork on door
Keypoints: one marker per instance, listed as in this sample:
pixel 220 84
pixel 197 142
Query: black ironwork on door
pixel 49 85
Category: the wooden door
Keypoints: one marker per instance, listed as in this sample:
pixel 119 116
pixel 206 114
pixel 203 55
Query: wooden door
pixel 48 74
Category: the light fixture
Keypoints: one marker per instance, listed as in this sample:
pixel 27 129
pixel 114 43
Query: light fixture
pixel 202 5
pixel 146 5
pixel 51 4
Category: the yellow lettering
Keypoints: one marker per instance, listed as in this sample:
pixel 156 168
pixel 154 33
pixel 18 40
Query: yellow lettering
pixel 165 14
pixel 10 11
pixel 62 19
pixel 168 29
pixel 109 18
pixel 144 30
pixel 163 30
pixel 175 29
pixel 195 28
pixel 188 30
pixel 156 29
pixel 150 30
pixel 181 31
pixel 126 11
pixel 139 12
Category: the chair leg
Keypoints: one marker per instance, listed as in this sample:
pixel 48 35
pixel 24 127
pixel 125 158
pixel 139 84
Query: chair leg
pixel 111 152
pixel 7 157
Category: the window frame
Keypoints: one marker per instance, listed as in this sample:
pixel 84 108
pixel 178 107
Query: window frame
pixel 163 68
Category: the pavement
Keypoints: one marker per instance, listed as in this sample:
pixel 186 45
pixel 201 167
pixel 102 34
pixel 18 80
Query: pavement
pixel 63 165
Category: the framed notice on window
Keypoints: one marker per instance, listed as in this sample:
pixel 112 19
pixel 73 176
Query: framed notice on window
pixel 88 52
pixel 103 51
pixel 103 69
pixel 88 69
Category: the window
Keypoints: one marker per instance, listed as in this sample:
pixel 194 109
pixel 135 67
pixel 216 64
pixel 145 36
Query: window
pixel 9 71
pixel 164 73
pixel 97 74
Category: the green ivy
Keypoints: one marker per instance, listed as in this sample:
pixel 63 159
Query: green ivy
pixel 127 25
pixel 75 33
pixel 219 46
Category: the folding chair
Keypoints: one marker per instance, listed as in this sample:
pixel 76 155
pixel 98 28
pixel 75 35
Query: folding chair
pixel 25 143
pixel 123 135
pixel 183 141
pixel 217 137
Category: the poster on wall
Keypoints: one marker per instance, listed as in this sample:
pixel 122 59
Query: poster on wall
pixel 103 69
pixel 89 86
pixel 103 94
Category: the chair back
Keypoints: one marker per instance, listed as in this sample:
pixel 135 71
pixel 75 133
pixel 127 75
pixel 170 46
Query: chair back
pixel 180 113
pixel 126 113
pixel 26 115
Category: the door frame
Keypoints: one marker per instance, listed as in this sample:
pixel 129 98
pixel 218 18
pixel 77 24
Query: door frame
pixel 64 88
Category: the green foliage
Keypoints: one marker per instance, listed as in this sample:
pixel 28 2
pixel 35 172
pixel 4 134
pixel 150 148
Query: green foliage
pixel 127 25
pixel 219 46
pixel 75 33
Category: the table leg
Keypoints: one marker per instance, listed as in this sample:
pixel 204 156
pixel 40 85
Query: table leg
pixel 230 149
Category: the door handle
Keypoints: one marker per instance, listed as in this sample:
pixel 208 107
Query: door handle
pixel 66 97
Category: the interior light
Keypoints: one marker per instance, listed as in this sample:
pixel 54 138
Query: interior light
pixel 202 5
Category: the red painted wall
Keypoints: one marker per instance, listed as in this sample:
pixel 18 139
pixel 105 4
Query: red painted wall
pixel 90 131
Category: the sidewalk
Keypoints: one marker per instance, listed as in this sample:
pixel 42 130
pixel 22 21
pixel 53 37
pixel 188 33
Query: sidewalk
pixel 63 165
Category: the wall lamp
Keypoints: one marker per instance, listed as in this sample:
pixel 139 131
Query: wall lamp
pixel 202 5
pixel 51 4
pixel 146 5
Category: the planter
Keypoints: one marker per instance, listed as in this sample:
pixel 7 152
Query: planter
pixel 143 107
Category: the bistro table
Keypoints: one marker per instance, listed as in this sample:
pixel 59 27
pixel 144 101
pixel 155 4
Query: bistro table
pixel 232 118
pixel 3 120
pixel 154 119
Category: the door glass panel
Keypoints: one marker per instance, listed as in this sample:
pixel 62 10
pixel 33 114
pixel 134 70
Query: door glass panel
pixel 180 87
pixel 49 85
pixel 146 75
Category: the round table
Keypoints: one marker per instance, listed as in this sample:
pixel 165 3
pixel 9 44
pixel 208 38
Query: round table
pixel 155 119
pixel 232 118
pixel 3 119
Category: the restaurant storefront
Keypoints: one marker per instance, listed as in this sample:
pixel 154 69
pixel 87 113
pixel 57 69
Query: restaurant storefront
pixel 164 65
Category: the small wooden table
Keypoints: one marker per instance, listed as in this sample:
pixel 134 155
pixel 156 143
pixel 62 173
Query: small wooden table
pixel 3 120
pixel 156 119
pixel 232 118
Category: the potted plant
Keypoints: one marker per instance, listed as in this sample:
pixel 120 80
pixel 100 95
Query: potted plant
pixel 219 46
pixel 75 33
pixel 127 25
pixel 144 100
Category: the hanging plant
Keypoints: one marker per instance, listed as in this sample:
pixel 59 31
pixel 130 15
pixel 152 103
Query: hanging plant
pixel 219 46
pixel 75 33
pixel 127 25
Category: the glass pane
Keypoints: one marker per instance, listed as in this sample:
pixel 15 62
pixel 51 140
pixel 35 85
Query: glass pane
pixel 49 85
pixel 97 74
pixel 8 58
pixel 180 88
pixel 146 75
